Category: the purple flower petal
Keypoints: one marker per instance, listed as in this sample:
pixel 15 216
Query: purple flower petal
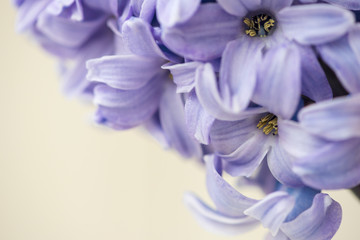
pixel 139 39
pixel 276 5
pixel 183 75
pixel 215 221
pixel 321 221
pixel 123 72
pixel 239 7
pixel 348 4
pixel 109 6
pixel 198 121
pixel 147 12
pixel 172 118
pixel 314 82
pixel 205 35
pixel 335 120
pixel 354 40
pixel 315 23
pixel 279 84
pixel 28 13
pixel 172 12
pixel 238 70
pixel 280 165
pixel 272 210
pixel 342 59
pixel 334 166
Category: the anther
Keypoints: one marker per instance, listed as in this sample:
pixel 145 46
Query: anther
pixel 259 25
pixel 269 124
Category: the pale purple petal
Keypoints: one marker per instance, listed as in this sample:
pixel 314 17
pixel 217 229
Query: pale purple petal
pixel 28 13
pixel 279 84
pixel 147 12
pixel 238 70
pixel 183 75
pixel 276 5
pixel 198 121
pixel 272 210
pixel 334 166
pixel 227 199
pixel 338 119
pixel 123 72
pixel 153 126
pixel 354 40
pixel 315 23
pixel 321 221
pixel 138 37
pixel 109 6
pixel 172 12
pixel 348 4
pixel 342 59
pixel 172 118
pixel 205 35
pixel 239 7
pixel 215 221
pixel 280 164
pixel 314 82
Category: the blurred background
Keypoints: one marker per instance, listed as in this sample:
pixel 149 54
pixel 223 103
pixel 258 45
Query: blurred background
pixel 62 178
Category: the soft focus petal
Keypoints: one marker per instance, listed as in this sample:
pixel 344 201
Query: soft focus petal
pixel 123 72
pixel 172 12
pixel 139 39
pixel 315 23
pixel 109 6
pixel 314 82
pixel 198 121
pixel 276 5
pixel 280 164
pixel 338 119
pixel 172 118
pixel 343 61
pixel 321 221
pixel 348 4
pixel 183 75
pixel 279 84
pixel 227 200
pixel 334 166
pixel 28 13
pixel 203 37
pixel 239 7
pixel 272 210
pixel 354 40
pixel 238 71
pixel 214 221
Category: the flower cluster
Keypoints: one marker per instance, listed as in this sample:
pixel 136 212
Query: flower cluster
pixel 267 91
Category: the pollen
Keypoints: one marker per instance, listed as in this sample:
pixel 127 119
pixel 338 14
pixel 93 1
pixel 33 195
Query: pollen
pixel 259 26
pixel 268 124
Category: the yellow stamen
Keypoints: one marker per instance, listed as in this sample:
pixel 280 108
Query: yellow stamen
pixel 269 122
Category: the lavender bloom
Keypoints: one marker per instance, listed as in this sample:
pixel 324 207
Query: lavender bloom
pixel 279 31
pixel 349 4
pixel 295 214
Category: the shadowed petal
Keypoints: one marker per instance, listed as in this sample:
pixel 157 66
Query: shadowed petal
pixel 338 119
pixel 334 166
pixel 320 221
pixel 348 4
pixel 279 84
pixel 354 40
pixel 343 61
pixel 28 13
pixel 198 121
pixel 239 7
pixel 203 37
pixel 272 210
pixel 315 23
pixel 172 12
pixel 276 5
pixel 123 72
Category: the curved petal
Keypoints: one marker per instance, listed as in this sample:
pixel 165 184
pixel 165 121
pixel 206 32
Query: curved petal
pixel 148 9
pixel 276 5
pixel 238 70
pixel 280 164
pixel 239 7
pixel 348 4
pixel 338 119
pixel 172 12
pixel 334 166
pixel 321 221
pixel 354 40
pixel 272 210
pixel 139 39
pixel 227 200
pixel 314 82
pixel 214 221
pixel 172 118
pixel 28 13
pixel 198 121
pixel 342 59
pixel 131 113
pixel 202 37
pixel 315 23
pixel 183 75
pixel 279 84
pixel 124 72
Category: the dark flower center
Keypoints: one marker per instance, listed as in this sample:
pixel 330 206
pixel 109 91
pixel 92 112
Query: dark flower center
pixel 268 124
pixel 259 25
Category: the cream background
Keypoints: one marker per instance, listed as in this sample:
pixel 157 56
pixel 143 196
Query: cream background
pixel 61 178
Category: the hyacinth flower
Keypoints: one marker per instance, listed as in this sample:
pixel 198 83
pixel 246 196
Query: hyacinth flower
pixel 265 47
pixel 289 213
pixel 74 31
pixel 132 89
